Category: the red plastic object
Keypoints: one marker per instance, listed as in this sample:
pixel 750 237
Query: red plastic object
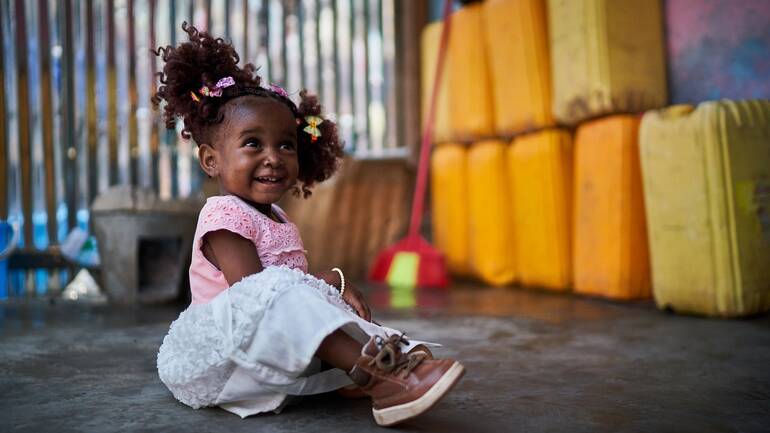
pixel 432 268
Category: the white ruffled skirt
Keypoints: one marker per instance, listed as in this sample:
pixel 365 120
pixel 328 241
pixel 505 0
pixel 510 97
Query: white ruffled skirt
pixel 253 345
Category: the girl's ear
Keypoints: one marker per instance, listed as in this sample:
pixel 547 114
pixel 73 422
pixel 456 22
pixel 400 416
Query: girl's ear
pixel 209 159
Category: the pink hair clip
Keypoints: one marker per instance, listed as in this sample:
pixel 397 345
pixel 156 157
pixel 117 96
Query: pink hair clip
pixel 278 89
pixel 216 91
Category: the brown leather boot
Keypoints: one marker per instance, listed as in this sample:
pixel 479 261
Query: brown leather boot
pixel 402 386
pixel 354 392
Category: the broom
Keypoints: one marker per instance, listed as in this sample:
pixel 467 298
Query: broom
pixel 412 261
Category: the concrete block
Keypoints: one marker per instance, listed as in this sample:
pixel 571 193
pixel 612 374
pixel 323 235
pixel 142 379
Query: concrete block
pixel 145 244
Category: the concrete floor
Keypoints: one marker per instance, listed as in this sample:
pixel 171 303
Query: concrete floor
pixel 536 362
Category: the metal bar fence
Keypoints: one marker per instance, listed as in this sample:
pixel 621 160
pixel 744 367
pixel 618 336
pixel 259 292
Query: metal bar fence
pixel 76 78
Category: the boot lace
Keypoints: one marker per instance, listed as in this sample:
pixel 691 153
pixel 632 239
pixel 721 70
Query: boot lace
pixel 390 359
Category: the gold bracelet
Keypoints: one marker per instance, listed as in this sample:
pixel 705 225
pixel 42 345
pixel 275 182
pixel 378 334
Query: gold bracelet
pixel 342 280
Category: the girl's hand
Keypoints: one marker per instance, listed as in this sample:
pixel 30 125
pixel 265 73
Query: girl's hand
pixel 356 299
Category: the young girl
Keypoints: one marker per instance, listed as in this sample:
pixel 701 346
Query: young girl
pixel 259 324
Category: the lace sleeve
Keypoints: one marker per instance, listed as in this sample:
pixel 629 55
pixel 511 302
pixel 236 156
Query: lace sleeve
pixel 225 213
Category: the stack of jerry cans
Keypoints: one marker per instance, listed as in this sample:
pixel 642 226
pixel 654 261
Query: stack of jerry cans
pixel 607 56
pixel 610 238
pixel 449 188
pixel 469 86
pixel 540 167
pixel 707 189
pixel 517 42
pixel 489 212
pixel 429 47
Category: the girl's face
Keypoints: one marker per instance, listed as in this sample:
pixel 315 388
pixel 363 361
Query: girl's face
pixel 254 154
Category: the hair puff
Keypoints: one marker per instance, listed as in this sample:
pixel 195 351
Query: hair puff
pixel 318 160
pixel 203 60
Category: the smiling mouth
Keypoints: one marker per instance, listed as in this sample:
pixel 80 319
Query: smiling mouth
pixel 269 180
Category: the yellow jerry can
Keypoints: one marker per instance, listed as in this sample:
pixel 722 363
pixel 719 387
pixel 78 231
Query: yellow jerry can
pixel 517 45
pixel 470 92
pixel 707 190
pixel 489 211
pixel 449 192
pixel 431 39
pixel 540 167
pixel 611 256
pixel 607 56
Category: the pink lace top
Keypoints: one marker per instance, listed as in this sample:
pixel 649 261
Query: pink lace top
pixel 277 243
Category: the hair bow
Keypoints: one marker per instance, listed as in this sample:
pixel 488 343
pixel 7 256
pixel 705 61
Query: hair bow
pixel 312 127
pixel 215 91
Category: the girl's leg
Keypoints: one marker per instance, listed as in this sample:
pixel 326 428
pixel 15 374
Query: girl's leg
pixel 340 350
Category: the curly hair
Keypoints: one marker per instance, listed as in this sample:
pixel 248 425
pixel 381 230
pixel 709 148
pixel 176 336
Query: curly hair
pixel 202 61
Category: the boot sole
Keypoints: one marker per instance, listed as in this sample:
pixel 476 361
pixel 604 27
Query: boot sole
pixel 396 414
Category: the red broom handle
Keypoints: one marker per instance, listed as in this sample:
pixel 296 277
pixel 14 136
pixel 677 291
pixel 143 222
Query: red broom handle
pixel 418 200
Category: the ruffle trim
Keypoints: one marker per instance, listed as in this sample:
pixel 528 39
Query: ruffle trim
pixel 194 361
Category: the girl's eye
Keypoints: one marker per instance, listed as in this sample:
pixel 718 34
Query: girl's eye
pixel 252 143
pixel 288 145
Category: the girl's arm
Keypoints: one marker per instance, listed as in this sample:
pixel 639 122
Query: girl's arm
pixel 332 278
pixel 352 295
pixel 237 258
pixel 232 254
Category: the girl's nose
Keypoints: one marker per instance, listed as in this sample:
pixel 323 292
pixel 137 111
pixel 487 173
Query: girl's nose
pixel 272 159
